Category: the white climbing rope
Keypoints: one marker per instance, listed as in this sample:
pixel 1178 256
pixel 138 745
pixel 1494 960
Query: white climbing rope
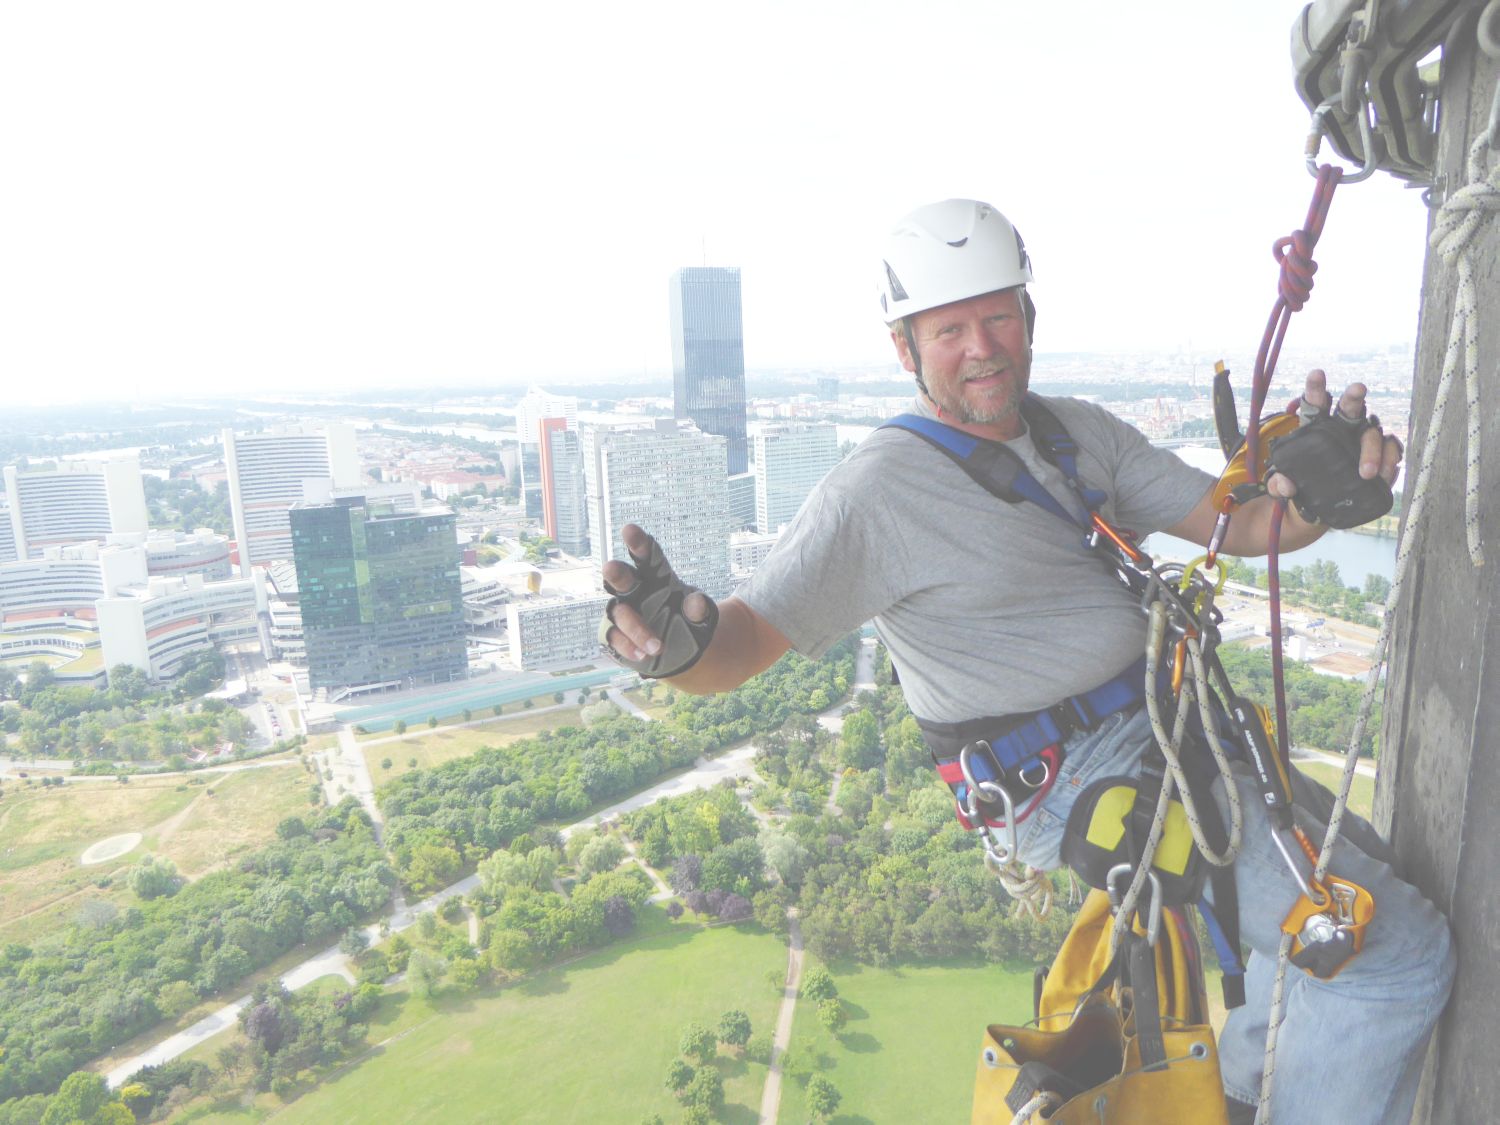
pixel 1457 223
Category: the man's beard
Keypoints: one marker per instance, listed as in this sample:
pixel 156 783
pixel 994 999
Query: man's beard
pixel 981 415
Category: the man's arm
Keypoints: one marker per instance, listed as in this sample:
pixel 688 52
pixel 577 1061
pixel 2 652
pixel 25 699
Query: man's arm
pixel 741 643
pixel 1250 525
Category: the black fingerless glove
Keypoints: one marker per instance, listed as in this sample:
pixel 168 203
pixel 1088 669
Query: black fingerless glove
pixel 658 596
pixel 1321 457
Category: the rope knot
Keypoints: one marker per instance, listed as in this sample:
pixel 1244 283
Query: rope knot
pixel 1461 215
pixel 1294 253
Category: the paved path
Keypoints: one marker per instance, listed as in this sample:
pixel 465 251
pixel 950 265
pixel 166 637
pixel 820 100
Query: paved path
pixel 770 1096
pixel 1360 767
pixel 706 774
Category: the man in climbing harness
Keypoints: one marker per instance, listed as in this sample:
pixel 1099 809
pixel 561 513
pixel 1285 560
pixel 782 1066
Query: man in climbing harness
pixel 1002 625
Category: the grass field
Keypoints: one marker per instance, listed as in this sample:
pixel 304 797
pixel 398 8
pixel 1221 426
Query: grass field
pixel 1361 793
pixel 43 832
pixel 240 815
pixel 587 1042
pixel 436 747
pixel 912 1041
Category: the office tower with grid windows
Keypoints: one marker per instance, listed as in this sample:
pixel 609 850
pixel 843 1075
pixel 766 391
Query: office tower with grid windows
pixel 708 355
pixel 380 594
pixel 669 478
pixel 790 459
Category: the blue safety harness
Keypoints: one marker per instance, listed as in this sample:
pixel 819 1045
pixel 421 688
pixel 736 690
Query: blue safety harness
pixel 1019 744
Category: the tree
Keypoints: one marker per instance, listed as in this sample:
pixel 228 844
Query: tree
pixel 859 744
pixel 154 878
pixel 602 853
pixel 468 715
pixel 431 721
pixel 354 941
pixel 822 1097
pixel 557 697
pixel 817 984
pixel 174 998
pixel 619 918
pixel 400 727
pixel 758 1048
pixel 698 1042
pixel 385 763
pixel 411 763
pixel 706 1090
pixel 831 1014
pixel 424 972
pixel 84 1098
pixel 734 1028
pixel 679 1074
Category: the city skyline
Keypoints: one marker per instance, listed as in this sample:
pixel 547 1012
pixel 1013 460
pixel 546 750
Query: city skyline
pixel 342 228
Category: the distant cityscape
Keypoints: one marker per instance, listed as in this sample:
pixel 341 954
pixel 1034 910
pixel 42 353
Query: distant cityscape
pixel 367 547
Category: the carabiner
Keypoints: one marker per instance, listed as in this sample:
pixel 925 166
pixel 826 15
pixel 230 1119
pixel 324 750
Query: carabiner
pixel 1366 140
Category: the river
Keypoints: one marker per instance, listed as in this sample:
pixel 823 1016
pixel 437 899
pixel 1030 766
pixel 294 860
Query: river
pixel 1354 554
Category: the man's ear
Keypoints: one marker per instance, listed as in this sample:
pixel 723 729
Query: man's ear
pixel 903 351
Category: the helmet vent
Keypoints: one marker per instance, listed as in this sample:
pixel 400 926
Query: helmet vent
pixel 959 243
pixel 898 291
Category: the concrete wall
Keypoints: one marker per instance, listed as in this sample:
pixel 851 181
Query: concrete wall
pixel 1440 769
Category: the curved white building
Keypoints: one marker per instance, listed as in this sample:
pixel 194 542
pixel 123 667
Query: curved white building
pixel 272 470
pixel 72 502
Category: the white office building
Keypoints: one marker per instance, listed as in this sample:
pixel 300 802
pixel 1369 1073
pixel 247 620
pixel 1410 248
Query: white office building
pixel 747 550
pixel 71 502
pixel 537 404
pixel 274 469
pixel 177 554
pixel 155 626
pixel 85 608
pixel 671 479
pixel 563 474
pixel 7 532
pixel 548 632
pixel 790 459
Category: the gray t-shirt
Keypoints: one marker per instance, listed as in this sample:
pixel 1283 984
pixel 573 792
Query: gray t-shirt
pixel 987 608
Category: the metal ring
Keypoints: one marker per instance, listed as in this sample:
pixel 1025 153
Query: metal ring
pixel 1366 140
pixel 1198 1051
pixel 991 1058
pixel 1046 773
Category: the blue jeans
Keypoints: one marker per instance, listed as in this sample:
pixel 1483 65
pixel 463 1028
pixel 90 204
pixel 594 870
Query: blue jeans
pixel 1350 1049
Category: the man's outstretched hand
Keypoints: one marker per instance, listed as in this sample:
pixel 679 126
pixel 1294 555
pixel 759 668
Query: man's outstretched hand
pixel 1379 452
pixel 655 623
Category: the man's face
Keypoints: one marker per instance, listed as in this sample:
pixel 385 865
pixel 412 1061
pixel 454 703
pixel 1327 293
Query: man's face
pixel 976 358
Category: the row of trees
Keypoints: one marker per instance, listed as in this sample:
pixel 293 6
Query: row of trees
pixel 133 720
pixel 79 993
pixel 1319 585
pixel 441 822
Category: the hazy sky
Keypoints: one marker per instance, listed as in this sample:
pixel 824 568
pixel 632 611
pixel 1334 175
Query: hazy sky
pixel 295 195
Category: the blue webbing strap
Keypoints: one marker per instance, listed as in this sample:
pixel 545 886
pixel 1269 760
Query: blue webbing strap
pixel 1000 471
pixel 1228 955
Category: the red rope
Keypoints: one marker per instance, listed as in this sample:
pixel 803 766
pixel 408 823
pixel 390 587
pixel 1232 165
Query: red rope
pixel 1294 254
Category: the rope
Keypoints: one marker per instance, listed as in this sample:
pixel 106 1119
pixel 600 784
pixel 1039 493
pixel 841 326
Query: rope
pixel 1457 223
pixel 1046 1099
pixel 1029 886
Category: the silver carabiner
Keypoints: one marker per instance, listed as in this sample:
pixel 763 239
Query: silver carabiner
pixel 1153 909
pixel 1366 140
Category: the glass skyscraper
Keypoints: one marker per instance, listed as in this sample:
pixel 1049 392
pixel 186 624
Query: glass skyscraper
pixel 708 355
pixel 380 595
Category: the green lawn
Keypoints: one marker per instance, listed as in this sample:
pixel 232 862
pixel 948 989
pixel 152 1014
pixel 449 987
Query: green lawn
pixel 1361 793
pixel 586 1042
pixel 912 1041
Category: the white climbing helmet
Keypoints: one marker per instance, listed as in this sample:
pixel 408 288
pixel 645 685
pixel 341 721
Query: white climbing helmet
pixel 946 252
